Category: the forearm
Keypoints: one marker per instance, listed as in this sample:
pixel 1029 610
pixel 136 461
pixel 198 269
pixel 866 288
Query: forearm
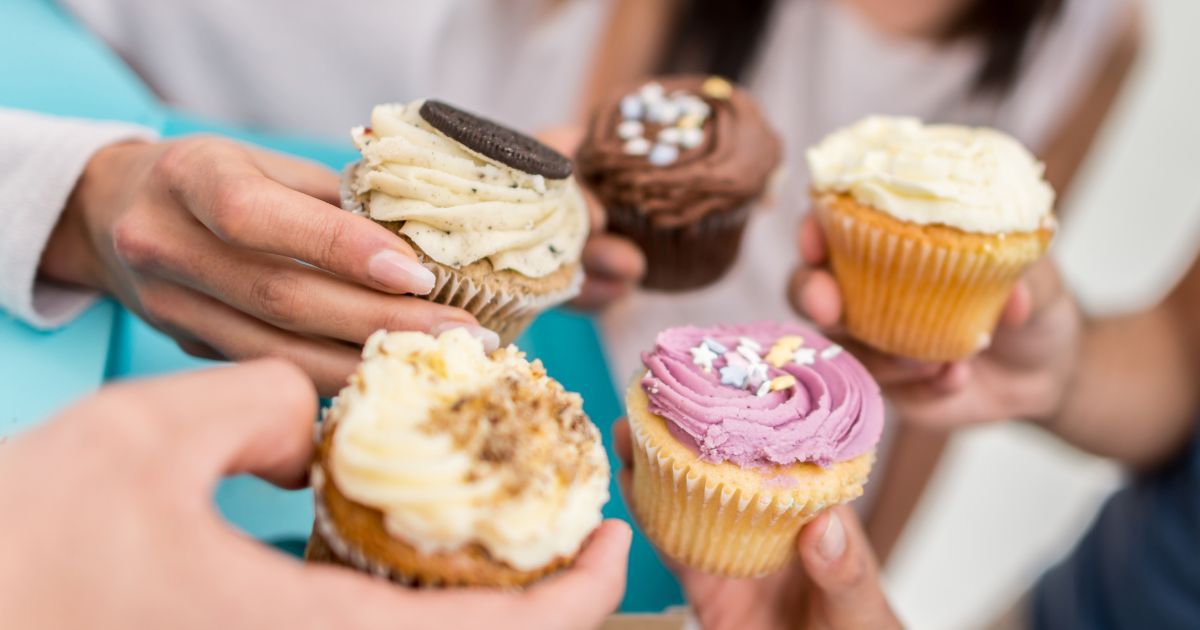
pixel 1134 394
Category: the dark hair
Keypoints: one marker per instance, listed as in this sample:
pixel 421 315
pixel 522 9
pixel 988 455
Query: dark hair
pixel 723 36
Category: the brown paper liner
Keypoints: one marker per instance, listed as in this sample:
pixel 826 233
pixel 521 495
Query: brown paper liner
pixel 504 302
pixel 685 257
pixel 926 292
pixel 720 518
pixel 353 535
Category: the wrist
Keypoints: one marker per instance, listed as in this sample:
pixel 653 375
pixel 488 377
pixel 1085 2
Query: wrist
pixel 71 254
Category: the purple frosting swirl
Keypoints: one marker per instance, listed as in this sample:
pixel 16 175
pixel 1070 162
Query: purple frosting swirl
pixel 832 413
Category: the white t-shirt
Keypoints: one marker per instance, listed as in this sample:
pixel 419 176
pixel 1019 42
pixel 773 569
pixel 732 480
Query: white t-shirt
pixel 318 66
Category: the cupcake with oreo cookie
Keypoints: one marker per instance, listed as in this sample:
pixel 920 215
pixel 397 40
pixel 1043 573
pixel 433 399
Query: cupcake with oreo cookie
pixel 441 465
pixel 678 163
pixel 494 214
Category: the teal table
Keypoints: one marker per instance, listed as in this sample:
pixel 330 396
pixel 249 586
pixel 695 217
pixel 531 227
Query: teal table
pixel 49 64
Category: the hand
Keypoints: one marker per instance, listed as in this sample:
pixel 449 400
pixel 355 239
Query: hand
pixel 834 582
pixel 239 253
pixel 1022 374
pixel 613 264
pixel 109 507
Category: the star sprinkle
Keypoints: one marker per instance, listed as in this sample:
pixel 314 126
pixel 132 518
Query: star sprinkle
pixel 714 345
pixel 749 353
pixel 702 356
pixel 783 350
pixel 750 343
pixel 758 375
pixel 763 389
pixel 735 376
pixel 805 356
pixel 831 352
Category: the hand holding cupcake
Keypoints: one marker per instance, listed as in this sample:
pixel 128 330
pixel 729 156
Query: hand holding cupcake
pixel 927 228
pixel 741 434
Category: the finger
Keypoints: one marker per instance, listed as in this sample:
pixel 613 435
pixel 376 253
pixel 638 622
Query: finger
pixel 892 370
pixel 305 176
pixel 815 294
pixel 623 441
pixel 293 297
pixel 1019 306
pixel 613 257
pixel 227 192
pixel 199 350
pixel 239 337
pixel 218 422
pixel 841 566
pixel 813 250
pixel 589 591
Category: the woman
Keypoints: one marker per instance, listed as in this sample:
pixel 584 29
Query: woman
pixel 536 63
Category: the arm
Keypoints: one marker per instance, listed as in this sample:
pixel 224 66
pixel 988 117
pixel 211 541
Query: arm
pixel 1070 143
pixel 41 158
pixel 1136 391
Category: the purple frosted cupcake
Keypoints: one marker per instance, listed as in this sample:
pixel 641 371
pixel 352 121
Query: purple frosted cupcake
pixel 741 435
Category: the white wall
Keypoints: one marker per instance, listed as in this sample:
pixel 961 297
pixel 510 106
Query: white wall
pixel 1007 500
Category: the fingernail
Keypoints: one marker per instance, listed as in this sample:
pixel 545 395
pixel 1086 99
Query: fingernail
pixel 490 339
pixel 833 542
pixel 399 272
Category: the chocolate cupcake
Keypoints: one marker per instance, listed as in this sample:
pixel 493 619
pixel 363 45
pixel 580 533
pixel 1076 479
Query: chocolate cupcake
pixel 677 163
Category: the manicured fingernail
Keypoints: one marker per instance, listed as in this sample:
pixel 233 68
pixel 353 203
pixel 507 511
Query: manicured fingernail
pixel 399 272
pixel 490 339
pixel 833 542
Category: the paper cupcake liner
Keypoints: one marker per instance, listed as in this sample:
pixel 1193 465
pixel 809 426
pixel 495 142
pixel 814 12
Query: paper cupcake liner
pixel 718 525
pixel 685 257
pixel 507 313
pixel 328 545
pixel 930 295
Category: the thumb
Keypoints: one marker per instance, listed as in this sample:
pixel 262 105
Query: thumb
pixel 844 574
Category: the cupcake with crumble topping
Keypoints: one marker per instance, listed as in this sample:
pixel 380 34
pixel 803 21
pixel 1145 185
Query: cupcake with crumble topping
pixel 440 465
pixel 494 214
pixel 742 434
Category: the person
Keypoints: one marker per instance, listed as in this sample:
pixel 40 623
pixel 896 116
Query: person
pixel 1120 387
pixel 1047 76
pixel 116 528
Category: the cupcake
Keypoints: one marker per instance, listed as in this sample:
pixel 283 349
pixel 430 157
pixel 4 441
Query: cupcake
pixel 929 227
pixel 440 465
pixel 677 164
pixel 494 214
pixel 742 434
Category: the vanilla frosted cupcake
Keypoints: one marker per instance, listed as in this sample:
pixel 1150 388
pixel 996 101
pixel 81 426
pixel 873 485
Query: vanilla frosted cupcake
pixel 496 215
pixel 440 465
pixel 929 227
pixel 742 434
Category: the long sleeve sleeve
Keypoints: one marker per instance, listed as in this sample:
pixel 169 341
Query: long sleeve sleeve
pixel 41 158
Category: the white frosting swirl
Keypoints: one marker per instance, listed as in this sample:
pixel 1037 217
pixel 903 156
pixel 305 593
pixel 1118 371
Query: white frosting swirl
pixel 459 206
pixel 973 179
pixel 431 492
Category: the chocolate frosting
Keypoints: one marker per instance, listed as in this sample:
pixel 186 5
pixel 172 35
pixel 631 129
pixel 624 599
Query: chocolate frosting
pixel 729 168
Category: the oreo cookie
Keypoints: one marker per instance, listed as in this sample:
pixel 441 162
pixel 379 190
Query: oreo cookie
pixel 495 141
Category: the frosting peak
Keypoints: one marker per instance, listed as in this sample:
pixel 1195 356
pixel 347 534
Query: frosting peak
pixel 456 447
pixel 763 394
pixel 459 206
pixel 972 179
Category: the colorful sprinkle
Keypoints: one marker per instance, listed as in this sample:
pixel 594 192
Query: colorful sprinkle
pixel 714 345
pixel 716 87
pixel 782 382
pixel 805 356
pixel 703 357
pixel 831 352
pixel 636 146
pixel 691 138
pixel 750 343
pixel 758 375
pixel 763 389
pixel 735 375
pixel 783 350
pixel 652 92
pixel 632 107
pixel 663 112
pixel 630 129
pixel 733 358
pixel 750 354
pixel 663 155
pixel 670 135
